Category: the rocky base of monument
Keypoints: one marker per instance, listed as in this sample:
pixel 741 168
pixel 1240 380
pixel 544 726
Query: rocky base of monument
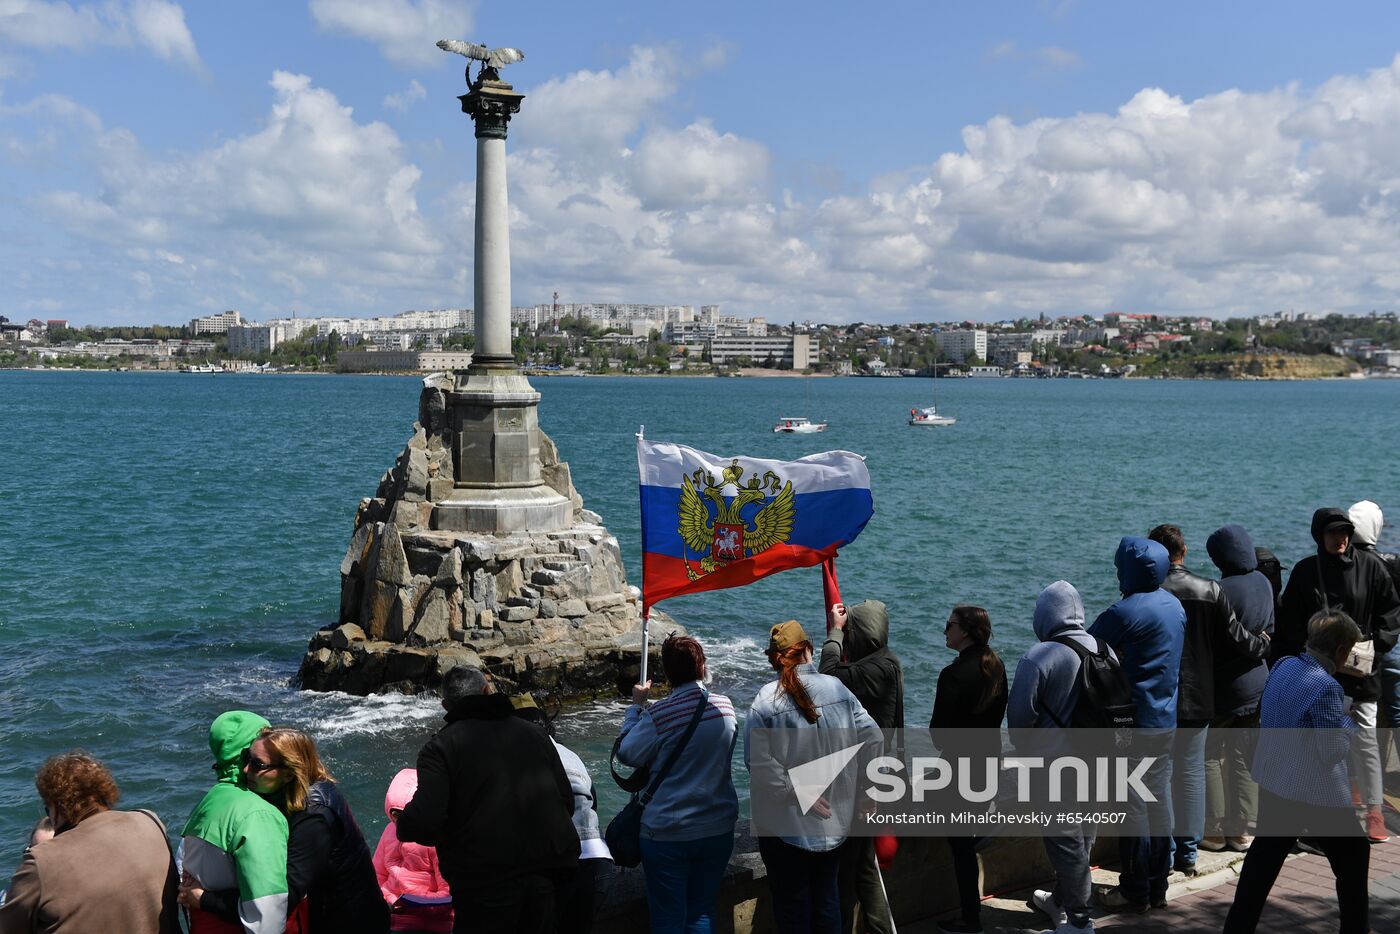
pixel 542 611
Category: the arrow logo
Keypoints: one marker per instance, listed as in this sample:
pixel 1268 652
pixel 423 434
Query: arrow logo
pixel 810 780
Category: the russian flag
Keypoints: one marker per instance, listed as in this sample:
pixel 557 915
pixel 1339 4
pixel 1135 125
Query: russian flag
pixel 711 522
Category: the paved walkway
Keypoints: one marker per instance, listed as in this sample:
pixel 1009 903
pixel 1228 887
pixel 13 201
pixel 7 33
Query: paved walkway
pixel 1303 900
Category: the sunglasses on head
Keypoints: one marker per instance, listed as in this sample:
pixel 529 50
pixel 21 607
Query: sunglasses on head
pixel 254 764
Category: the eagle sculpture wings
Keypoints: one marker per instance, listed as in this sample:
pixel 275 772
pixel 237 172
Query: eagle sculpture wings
pixel 491 58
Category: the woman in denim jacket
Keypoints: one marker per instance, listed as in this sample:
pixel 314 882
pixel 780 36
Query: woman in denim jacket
pixel 802 865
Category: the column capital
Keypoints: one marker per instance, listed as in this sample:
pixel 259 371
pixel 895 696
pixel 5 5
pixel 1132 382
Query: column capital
pixel 491 103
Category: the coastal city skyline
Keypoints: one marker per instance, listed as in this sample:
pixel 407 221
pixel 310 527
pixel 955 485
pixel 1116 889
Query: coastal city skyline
pixel 886 166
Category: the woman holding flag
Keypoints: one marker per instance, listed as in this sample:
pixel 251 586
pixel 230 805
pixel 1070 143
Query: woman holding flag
pixel 688 823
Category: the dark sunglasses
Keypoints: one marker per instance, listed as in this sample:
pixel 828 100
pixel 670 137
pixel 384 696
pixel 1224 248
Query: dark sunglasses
pixel 256 765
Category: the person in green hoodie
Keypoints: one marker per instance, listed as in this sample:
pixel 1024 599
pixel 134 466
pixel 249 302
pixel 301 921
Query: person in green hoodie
pixel 236 840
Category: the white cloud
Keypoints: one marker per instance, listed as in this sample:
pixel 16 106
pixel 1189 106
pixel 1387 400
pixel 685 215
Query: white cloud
pixel 1230 203
pixel 313 199
pixel 406 98
pixel 1056 57
pixel 696 166
pixel 159 25
pixel 1051 56
pixel 597 112
pixel 405 30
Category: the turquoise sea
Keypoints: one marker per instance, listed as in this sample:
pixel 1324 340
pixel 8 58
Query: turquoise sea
pixel 169 542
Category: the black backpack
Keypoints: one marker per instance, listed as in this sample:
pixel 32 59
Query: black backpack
pixel 1105 696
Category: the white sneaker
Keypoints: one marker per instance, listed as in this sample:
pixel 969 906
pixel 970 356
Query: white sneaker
pixel 1043 901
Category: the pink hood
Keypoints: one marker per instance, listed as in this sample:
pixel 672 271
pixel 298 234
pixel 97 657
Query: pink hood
pixel 401 790
pixel 409 867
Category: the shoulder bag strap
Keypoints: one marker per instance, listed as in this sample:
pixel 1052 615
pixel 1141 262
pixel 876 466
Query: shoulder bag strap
pixel 1083 653
pixel 1322 588
pixel 646 796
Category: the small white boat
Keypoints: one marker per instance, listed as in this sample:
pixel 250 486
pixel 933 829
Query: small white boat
pixel 929 418
pixel 798 426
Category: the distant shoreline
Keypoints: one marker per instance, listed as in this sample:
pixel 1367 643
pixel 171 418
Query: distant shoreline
pixel 743 374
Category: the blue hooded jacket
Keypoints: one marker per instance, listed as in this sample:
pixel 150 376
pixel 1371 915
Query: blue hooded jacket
pixel 1240 681
pixel 1146 628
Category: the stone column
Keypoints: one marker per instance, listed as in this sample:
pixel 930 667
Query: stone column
pixel 492 257
pixel 491 410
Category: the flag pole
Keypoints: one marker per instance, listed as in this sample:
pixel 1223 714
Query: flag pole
pixel 831 590
pixel 646 607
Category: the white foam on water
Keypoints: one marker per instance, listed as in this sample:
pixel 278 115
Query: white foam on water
pixel 334 714
pixel 738 659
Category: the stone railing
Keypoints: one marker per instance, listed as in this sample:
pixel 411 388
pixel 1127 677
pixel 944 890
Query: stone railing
pixel 920 884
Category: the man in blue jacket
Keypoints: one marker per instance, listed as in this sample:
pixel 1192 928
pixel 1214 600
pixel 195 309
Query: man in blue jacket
pixel 1147 628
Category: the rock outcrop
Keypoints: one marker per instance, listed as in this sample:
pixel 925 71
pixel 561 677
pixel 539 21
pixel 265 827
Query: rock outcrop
pixel 542 611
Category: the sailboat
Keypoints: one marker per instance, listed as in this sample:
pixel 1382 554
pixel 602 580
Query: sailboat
pixel 928 417
pixel 793 425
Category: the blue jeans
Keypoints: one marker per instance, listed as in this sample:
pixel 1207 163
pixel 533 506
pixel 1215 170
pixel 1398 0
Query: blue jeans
pixel 683 878
pixel 1390 700
pixel 1146 859
pixel 1188 791
pixel 1069 854
pixel 803 887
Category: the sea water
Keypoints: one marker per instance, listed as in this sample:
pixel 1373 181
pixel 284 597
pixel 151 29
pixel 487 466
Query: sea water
pixel 169 542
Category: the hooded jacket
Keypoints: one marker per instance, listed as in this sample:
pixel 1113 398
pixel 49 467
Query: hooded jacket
pixel 409 868
pixel 492 797
pixel 236 840
pixel 1147 629
pixel 1367 519
pixel 328 865
pixel 1046 686
pixel 859 657
pixel 1239 680
pixel 1355 582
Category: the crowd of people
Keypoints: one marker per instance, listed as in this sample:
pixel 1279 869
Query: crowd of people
pixel 497 828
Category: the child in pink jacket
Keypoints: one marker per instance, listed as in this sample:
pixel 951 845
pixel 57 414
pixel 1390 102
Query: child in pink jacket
pixel 410 869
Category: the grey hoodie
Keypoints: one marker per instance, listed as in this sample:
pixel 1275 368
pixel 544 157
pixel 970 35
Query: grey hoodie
pixel 1047 677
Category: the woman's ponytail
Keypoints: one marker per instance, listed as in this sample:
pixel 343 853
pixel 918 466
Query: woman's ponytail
pixel 786 662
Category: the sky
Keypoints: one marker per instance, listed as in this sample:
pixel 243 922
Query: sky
pixel 833 162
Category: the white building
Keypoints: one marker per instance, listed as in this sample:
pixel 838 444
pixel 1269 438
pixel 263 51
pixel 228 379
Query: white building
pixel 250 340
pixel 957 346
pixel 686 332
pixel 374 361
pixel 788 351
pixel 215 324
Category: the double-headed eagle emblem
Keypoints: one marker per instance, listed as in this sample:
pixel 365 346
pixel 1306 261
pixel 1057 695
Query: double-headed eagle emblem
pixel 726 528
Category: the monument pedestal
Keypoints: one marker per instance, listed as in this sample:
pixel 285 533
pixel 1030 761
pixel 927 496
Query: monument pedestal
pixel 498 487
pixel 519 580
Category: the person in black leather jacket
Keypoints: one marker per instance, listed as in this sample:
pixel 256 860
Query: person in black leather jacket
pixel 1209 620
pixel 328 861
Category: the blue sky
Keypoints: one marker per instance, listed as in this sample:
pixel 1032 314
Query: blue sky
pixel 837 162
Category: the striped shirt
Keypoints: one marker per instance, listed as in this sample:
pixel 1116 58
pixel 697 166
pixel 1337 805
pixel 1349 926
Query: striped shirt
pixel 697 799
